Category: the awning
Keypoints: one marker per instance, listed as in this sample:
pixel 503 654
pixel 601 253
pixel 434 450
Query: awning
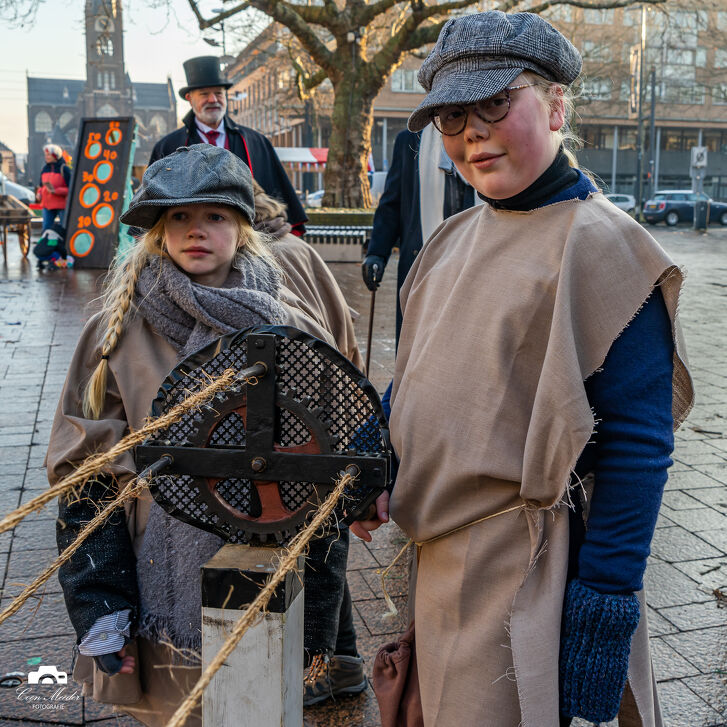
pixel 307 159
pixel 302 159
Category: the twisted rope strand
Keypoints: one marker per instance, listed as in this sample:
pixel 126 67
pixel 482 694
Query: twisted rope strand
pixel 288 563
pixel 94 464
pixel 131 491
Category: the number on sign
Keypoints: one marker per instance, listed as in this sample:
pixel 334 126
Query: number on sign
pixel 110 196
pixel 108 154
pixel 84 221
pixel 94 136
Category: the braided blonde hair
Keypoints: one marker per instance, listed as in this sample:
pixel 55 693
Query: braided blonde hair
pixel 120 289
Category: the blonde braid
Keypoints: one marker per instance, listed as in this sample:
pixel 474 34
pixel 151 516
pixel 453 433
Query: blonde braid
pixel 118 300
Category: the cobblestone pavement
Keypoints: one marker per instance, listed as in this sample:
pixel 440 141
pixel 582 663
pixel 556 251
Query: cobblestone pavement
pixel 41 316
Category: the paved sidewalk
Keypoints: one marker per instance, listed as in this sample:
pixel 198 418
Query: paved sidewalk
pixel 40 319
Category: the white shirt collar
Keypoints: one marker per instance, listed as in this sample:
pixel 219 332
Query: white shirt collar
pixel 220 141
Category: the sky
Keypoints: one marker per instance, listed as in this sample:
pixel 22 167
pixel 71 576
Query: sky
pixel 156 42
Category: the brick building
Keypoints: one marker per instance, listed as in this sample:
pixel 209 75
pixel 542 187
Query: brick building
pixel 685 47
pixel 8 165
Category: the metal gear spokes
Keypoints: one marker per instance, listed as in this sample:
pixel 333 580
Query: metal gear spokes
pixel 260 459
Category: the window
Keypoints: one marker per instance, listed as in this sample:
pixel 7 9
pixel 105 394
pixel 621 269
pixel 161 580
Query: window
pixel 597 137
pixel 715 140
pixel 720 58
pixel 679 139
pixel 626 137
pixel 104 46
pixel 562 13
pixel 65 119
pixel 405 81
pixel 632 16
pixel 598 17
pixel 682 93
pixel 159 124
pixel 719 94
pixel 593 51
pixel 689 19
pixel 106 110
pixel 597 89
pixel 43 122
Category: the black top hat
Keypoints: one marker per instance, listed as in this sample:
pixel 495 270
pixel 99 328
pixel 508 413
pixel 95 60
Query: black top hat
pixel 203 72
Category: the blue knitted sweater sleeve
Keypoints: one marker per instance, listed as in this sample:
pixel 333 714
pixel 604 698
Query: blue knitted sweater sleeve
pixel 630 452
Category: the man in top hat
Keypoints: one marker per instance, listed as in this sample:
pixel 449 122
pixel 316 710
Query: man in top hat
pixel 207 122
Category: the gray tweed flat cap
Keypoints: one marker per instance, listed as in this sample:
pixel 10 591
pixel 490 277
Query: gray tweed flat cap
pixel 478 55
pixel 198 174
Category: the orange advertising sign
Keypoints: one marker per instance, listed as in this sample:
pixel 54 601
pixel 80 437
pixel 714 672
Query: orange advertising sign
pixel 96 196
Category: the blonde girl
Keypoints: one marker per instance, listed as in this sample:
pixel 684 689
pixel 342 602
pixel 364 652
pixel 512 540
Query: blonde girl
pixel 200 271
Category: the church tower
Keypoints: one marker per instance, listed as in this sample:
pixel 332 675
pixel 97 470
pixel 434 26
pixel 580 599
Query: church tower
pixel 108 90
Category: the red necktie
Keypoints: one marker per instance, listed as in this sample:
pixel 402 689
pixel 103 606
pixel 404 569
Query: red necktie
pixel 212 136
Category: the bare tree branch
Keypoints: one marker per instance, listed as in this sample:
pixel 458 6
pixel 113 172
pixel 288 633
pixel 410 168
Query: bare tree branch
pixel 204 24
pixel 586 4
pixel 288 16
pixel 375 9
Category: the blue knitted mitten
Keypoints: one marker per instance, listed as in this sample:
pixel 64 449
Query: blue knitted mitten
pixel 594 651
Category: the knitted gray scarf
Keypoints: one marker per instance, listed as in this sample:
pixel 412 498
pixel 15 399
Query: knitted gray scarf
pixel 190 316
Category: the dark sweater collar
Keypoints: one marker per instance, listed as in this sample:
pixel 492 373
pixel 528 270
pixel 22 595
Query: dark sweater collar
pixel 556 178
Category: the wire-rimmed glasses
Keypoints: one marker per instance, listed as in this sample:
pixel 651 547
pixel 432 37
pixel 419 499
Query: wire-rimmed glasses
pixel 451 120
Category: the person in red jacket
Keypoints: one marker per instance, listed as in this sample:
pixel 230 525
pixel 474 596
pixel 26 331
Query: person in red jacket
pixel 54 179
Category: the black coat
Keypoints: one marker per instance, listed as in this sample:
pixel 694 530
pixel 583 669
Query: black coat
pixel 254 149
pixel 397 221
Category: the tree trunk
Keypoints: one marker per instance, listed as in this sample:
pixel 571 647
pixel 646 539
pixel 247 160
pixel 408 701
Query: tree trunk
pixel 346 181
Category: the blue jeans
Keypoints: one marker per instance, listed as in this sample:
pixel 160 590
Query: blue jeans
pixel 49 217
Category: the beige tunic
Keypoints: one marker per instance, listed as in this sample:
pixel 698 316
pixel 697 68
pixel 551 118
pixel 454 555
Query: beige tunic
pixel 505 315
pixel 307 275
pixel 136 370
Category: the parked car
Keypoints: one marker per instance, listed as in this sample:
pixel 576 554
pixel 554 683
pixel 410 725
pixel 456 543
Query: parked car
pixel 677 205
pixel 24 194
pixel 625 202
pixel 314 198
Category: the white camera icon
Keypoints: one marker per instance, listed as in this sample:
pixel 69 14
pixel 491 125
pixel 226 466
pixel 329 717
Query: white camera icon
pixel 47 675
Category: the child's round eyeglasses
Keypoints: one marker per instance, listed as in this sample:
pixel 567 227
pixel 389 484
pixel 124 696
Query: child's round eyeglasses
pixel 451 120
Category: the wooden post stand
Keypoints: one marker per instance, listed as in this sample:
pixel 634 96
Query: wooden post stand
pixel 261 682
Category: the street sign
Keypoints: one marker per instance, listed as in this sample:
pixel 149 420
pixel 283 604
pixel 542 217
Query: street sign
pixel 96 196
pixel 699 157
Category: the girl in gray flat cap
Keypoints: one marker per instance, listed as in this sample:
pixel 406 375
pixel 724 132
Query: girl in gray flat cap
pixel 199 272
pixel 538 378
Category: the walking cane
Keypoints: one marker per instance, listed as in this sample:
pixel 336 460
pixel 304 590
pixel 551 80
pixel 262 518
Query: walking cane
pixel 371 322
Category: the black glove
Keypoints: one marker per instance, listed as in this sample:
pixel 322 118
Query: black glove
pixel 109 663
pixel 372 270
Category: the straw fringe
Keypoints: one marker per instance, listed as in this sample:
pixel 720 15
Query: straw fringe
pixel 289 562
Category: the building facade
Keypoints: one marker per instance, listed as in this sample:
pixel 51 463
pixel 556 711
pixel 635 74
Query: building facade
pixel 56 105
pixel 684 70
pixel 684 47
pixel 8 164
